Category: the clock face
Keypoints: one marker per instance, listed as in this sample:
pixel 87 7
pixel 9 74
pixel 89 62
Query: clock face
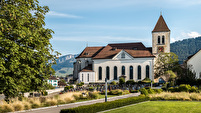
pixel 161 49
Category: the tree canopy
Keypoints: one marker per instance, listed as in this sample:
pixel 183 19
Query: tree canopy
pixel 165 62
pixel 25 49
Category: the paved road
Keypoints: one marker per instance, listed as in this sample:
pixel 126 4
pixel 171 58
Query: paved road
pixel 57 109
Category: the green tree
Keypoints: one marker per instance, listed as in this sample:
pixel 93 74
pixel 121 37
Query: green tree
pixel 25 49
pixel 165 62
pixel 121 80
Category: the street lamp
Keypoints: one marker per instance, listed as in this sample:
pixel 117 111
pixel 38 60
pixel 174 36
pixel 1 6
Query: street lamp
pixel 105 89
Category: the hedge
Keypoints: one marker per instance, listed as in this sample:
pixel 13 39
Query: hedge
pixel 106 105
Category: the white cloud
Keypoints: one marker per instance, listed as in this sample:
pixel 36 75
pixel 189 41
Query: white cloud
pixel 185 35
pixel 57 14
pixel 193 34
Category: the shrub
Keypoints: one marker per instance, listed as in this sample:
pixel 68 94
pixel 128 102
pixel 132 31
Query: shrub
pixel 151 91
pixel 134 91
pixel 27 105
pixel 93 95
pixel 6 108
pixel 113 83
pixel 80 84
pixel 158 90
pixel 121 80
pixel 131 82
pixel 76 96
pixel 184 88
pixel 91 88
pixel 116 92
pixel 44 93
pixel 105 106
pixel 126 92
pixel 51 102
pixel 18 106
pixel 144 91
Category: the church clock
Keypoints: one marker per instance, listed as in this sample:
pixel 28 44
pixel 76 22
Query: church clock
pixel 160 49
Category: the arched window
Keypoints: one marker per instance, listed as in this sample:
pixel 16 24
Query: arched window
pixel 82 78
pixel 147 71
pixel 100 73
pixel 159 39
pixel 139 72
pixel 123 55
pixel 88 77
pixel 115 72
pixel 108 73
pixel 131 72
pixel 123 70
pixel 163 39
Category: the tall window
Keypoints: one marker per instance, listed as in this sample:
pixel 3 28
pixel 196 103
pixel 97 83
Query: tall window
pixel 88 77
pixel 123 55
pixel 100 73
pixel 108 73
pixel 163 39
pixel 115 72
pixel 123 70
pixel 82 78
pixel 139 72
pixel 131 72
pixel 147 71
pixel 159 39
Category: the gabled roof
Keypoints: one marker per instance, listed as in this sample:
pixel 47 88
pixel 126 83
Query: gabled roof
pixel 193 55
pixel 161 25
pixel 87 69
pixel 52 78
pixel 89 52
pixel 136 50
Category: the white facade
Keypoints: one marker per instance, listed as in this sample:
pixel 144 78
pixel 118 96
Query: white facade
pixel 122 59
pixel 195 63
pixel 86 77
pixel 53 82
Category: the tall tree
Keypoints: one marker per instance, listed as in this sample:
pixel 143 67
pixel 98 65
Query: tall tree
pixel 165 62
pixel 25 49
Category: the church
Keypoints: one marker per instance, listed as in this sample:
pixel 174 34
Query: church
pixel 129 60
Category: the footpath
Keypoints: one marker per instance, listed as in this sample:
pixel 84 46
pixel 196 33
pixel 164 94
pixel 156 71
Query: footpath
pixel 57 109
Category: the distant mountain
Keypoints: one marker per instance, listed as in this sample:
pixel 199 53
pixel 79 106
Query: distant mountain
pixel 186 47
pixel 64 65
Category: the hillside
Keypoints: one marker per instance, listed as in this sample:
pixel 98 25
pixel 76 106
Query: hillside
pixel 186 47
pixel 64 65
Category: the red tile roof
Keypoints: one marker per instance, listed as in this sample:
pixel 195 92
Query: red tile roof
pixel 89 52
pixel 161 25
pixel 112 49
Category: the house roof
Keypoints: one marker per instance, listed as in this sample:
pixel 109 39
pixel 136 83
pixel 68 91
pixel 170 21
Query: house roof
pixel 161 25
pixel 193 55
pixel 87 69
pixel 89 52
pixel 136 50
pixel 52 78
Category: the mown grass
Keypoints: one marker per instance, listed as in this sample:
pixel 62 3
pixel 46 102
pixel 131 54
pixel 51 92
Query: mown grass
pixel 161 107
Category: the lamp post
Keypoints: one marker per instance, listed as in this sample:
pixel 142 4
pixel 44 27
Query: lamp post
pixel 105 89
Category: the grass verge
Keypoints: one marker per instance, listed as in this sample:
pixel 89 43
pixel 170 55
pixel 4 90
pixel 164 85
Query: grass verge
pixel 161 107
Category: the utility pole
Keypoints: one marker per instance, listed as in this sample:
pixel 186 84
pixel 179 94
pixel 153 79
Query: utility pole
pixel 105 89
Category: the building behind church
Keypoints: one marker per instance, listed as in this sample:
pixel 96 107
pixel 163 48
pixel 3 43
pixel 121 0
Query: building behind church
pixel 130 60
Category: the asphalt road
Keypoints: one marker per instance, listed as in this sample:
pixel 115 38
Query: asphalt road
pixel 57 109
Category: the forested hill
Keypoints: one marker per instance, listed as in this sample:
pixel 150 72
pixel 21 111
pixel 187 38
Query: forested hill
pixel 186 47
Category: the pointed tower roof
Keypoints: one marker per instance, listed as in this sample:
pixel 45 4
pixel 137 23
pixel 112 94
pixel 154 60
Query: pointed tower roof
pixel 161 25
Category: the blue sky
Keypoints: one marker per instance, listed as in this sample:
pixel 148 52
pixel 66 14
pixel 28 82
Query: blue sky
pixel 77 23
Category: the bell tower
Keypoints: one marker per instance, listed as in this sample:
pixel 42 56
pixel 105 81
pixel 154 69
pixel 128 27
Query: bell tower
pixel 160 37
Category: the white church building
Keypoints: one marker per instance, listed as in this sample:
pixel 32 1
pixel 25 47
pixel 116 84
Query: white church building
pixel 130 60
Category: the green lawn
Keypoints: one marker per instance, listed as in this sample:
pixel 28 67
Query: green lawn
pixel 161 107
